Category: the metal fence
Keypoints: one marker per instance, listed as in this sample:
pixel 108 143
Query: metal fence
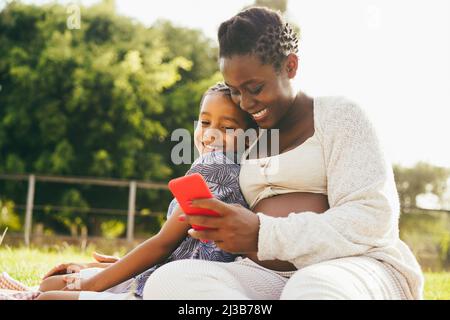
pixel 131 184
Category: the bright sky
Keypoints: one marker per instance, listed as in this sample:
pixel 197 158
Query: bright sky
pixel 392 57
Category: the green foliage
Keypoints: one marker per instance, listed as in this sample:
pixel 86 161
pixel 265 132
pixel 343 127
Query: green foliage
pixel 428 235
pixel 184 97
pixel 420 179
pixel 8 217
pixel 73 199
pixel 100 101
pixel 112 229
pixel 91 94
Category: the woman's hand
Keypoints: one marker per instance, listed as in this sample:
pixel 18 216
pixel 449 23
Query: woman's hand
pixel 236 229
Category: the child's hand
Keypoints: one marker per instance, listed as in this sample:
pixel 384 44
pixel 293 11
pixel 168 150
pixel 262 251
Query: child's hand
pixel 73 267
pixel 103 258
pixel 65 268
pixel 75 283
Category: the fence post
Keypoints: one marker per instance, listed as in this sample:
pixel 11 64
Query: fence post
pixel 29 210
pixel 84 238
pixel 131 211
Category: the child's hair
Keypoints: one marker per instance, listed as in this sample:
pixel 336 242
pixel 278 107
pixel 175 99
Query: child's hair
pixel 222 89
pixel 218 88
pixel 259 31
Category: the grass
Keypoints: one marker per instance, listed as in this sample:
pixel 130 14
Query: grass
pixel 29 265
pixel 437 285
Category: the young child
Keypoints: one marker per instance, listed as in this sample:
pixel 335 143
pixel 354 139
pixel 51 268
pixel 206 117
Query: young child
pixel 125 279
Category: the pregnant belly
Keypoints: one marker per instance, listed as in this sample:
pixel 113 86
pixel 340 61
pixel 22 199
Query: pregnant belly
pixel 280 206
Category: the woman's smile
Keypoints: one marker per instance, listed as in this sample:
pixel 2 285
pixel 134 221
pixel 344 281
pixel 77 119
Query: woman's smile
pixel 261 115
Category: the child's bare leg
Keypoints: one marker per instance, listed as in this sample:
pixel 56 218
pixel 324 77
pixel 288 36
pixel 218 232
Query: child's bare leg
pixel 52 283
pixel 59 295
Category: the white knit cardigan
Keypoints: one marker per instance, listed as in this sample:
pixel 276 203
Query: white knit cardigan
pixel 364 207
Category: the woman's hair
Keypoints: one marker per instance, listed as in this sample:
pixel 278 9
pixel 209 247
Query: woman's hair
pixel 222 89
pixel 259 31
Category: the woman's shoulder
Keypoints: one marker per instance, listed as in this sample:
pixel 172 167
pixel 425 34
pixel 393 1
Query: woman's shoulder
pixel 333 105
pixel 338 112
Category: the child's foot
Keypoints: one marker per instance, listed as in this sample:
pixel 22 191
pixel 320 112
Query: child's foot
pixel 6 282
pixel 19 295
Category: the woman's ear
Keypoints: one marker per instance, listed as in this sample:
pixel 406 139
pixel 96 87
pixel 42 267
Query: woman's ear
pixel 247 138
pixel 291 65
pixel 247 142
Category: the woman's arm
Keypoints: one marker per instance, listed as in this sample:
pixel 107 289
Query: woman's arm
pixel 154 250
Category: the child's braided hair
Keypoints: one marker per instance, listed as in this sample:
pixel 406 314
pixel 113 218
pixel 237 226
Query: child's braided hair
pixel 259 31
pixel 218 88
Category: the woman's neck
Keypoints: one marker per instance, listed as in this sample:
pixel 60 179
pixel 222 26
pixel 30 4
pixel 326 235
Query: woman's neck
pixel 295 115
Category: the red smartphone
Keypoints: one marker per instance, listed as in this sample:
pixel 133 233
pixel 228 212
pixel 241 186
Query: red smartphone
pixel 188 188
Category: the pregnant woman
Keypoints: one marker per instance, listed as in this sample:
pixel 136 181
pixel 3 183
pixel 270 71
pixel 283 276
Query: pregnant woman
pixel 329 162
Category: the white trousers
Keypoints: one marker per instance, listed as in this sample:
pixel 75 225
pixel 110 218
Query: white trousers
pixel 351 278
pixel 119 292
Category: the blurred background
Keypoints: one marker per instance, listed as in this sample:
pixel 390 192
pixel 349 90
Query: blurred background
pixel 90 92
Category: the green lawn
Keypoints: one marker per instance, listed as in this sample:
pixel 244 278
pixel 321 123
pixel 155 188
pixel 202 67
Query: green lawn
pixel 29 265
pixel 437 286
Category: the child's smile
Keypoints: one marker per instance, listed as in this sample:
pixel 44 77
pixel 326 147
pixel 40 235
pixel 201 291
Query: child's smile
pixel 218 121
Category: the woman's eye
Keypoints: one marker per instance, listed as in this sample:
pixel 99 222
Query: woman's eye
pixel 256 90
pixel 205 123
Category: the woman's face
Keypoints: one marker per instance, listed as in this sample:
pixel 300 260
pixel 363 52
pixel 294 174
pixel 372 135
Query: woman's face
pixel 258 89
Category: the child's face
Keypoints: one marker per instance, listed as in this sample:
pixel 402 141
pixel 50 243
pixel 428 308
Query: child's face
pixel 218 115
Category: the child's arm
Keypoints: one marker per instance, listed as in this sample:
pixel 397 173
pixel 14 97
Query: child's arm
pixel 103 261
pixel 154 250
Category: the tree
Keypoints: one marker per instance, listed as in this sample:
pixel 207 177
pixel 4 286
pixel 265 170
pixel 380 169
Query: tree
pixel 183 98
pixel 280 5
pixel 420 179
pixel 98 101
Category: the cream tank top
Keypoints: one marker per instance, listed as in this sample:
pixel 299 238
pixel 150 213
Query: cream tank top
pixel 301 169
